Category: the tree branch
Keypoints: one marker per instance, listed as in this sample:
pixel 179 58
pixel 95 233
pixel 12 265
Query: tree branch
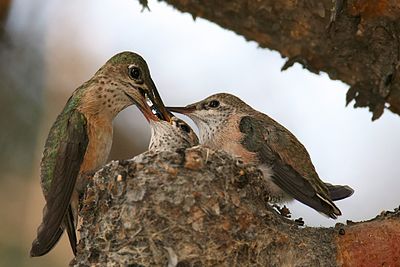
pixel 204 208
pixel 355 41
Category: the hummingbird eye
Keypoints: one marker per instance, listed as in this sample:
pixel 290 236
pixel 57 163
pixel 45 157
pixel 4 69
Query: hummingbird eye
pixel 214 104
pixel 134 72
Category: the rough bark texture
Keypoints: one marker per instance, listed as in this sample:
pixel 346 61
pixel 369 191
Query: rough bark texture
pixel 355 41
pixel 203 208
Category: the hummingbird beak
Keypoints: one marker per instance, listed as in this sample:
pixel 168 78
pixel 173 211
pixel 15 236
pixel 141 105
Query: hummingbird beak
pixel 141 103
pixel 183 110
pixel 149 102
pixel 156 104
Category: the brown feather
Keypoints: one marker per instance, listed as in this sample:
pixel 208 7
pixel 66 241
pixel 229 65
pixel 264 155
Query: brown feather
pixel 69 159
pixel 69 224
pixel 292 168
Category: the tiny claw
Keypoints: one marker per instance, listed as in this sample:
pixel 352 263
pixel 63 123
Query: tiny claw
pixel 284 211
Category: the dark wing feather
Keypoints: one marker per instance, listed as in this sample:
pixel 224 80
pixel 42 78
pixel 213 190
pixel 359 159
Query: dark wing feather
pixel 69 224
pixel 69 158
pixel 295 185
pixel 288 160
pixel 35 252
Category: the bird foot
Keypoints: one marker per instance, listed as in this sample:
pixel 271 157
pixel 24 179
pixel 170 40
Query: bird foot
pixel 284 211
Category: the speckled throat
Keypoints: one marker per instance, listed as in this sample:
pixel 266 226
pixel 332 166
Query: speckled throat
pixel 212 128
pixel 169 137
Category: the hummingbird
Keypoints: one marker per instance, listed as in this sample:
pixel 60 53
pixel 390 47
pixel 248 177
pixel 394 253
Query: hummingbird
pixel 79 142
pixel 226 122
pixel 171 134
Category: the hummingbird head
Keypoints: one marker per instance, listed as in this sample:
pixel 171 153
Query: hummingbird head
pixel 171 135
pixel 125 80
pixel 211 114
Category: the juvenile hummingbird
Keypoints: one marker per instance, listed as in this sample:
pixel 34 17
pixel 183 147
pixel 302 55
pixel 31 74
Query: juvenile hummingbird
pixel 80 140
pixel 171 135
pixel 226 122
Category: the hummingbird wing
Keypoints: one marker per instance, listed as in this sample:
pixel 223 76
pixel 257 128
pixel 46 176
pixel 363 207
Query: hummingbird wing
pixel 292 168
pixel 69 224
pixel 68 146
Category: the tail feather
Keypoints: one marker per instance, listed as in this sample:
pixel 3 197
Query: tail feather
pixel 338 192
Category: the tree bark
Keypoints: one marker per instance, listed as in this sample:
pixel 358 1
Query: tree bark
pixel 355 41
pixel 204 208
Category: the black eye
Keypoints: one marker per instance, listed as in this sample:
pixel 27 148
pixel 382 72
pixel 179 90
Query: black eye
pixel 134 73
pixel 185 128
pixel 214 104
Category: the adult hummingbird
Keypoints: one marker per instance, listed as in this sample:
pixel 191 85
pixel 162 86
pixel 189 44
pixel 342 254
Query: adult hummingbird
pixel 226 122
pixel 80 140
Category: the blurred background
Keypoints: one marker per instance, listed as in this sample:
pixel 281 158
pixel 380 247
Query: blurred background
pixel 48 48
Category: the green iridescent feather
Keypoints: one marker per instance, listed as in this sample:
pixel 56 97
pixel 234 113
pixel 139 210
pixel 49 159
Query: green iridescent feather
pixel 58 134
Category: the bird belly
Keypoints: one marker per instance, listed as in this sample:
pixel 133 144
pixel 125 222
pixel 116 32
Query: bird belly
pixel 97 152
